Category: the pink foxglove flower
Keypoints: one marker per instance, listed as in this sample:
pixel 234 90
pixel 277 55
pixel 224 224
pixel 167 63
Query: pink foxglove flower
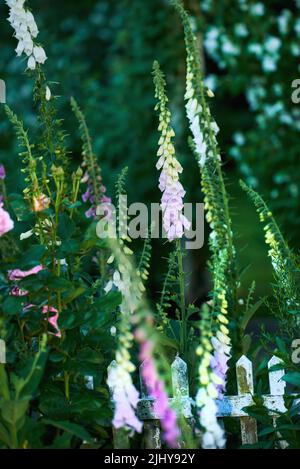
pixel 125 397
pixel 155 388
pixel 52 318
pixel 16 291
pixel 6 223
pixel 52 315
pixel 174 221
pixel 95 199
pixel 2 172
pixel 18 274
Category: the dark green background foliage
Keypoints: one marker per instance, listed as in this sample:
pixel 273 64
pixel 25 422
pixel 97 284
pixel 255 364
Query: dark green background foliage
pixel 102 52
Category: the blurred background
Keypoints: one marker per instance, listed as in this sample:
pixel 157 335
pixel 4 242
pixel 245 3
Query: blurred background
pixel 101 52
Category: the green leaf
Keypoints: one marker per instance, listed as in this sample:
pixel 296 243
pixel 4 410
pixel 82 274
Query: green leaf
pixel 109 302
pixel 27 386
pixel 292 378
pixel 267 431
pixel 250 313
pixel 4 389
pixel 20 207
pixel 72 428
pixel 13 411
pixel 66 227
pixel 13 305
pixel 33 256
pixel 73 294
pixel 4 435
pixel 59 283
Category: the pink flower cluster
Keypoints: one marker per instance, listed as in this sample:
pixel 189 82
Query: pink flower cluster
pixel 15 276
pixel 2 172
pixel 90 196
pixel 172 205
pixel 6 223
pixel 125 397
pixel 219 360
pixel 52 319
pixel 155 388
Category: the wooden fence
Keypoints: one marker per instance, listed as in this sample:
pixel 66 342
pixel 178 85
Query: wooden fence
pixel 229 406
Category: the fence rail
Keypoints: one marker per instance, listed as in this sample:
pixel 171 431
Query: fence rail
pixel 229 406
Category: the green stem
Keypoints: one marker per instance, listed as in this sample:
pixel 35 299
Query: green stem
pixel 183 329
pixel 67 385
pixel 13 437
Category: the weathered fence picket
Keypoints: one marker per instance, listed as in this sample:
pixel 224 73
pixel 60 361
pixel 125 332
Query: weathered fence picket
pixel 245 384
pixel 277 388
pixel 228 406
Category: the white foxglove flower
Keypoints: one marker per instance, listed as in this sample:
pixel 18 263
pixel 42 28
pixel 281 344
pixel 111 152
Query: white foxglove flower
pixel 26 235
pixel 48 93
pixel 39 54
pixel 31 64
pixel 26 30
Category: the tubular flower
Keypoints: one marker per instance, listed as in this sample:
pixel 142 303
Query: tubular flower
pixel 125 395
pixel 214 348
pixel 16 275
pixel 156 390
pixel 2 172
pixel 136 315
pixel 174 221
pixel 199 125
pixel 52 318
pixel 96 195
pixel 6 223
pixel 23 22
pixel 211 384
pixel 40 203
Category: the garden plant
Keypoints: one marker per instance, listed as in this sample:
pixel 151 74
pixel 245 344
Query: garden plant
pixel 80 316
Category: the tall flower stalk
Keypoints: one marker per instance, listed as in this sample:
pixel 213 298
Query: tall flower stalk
pixel 174 221
pixel 137 322
pixel 284 263
pixel 215 344
pixel 96 191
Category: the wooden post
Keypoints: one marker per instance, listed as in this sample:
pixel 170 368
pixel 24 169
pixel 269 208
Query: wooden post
pixel 181 394
pixel 152 433
pixel 244 374
pixel 277 388
pixel 120 435
pixel 179 378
